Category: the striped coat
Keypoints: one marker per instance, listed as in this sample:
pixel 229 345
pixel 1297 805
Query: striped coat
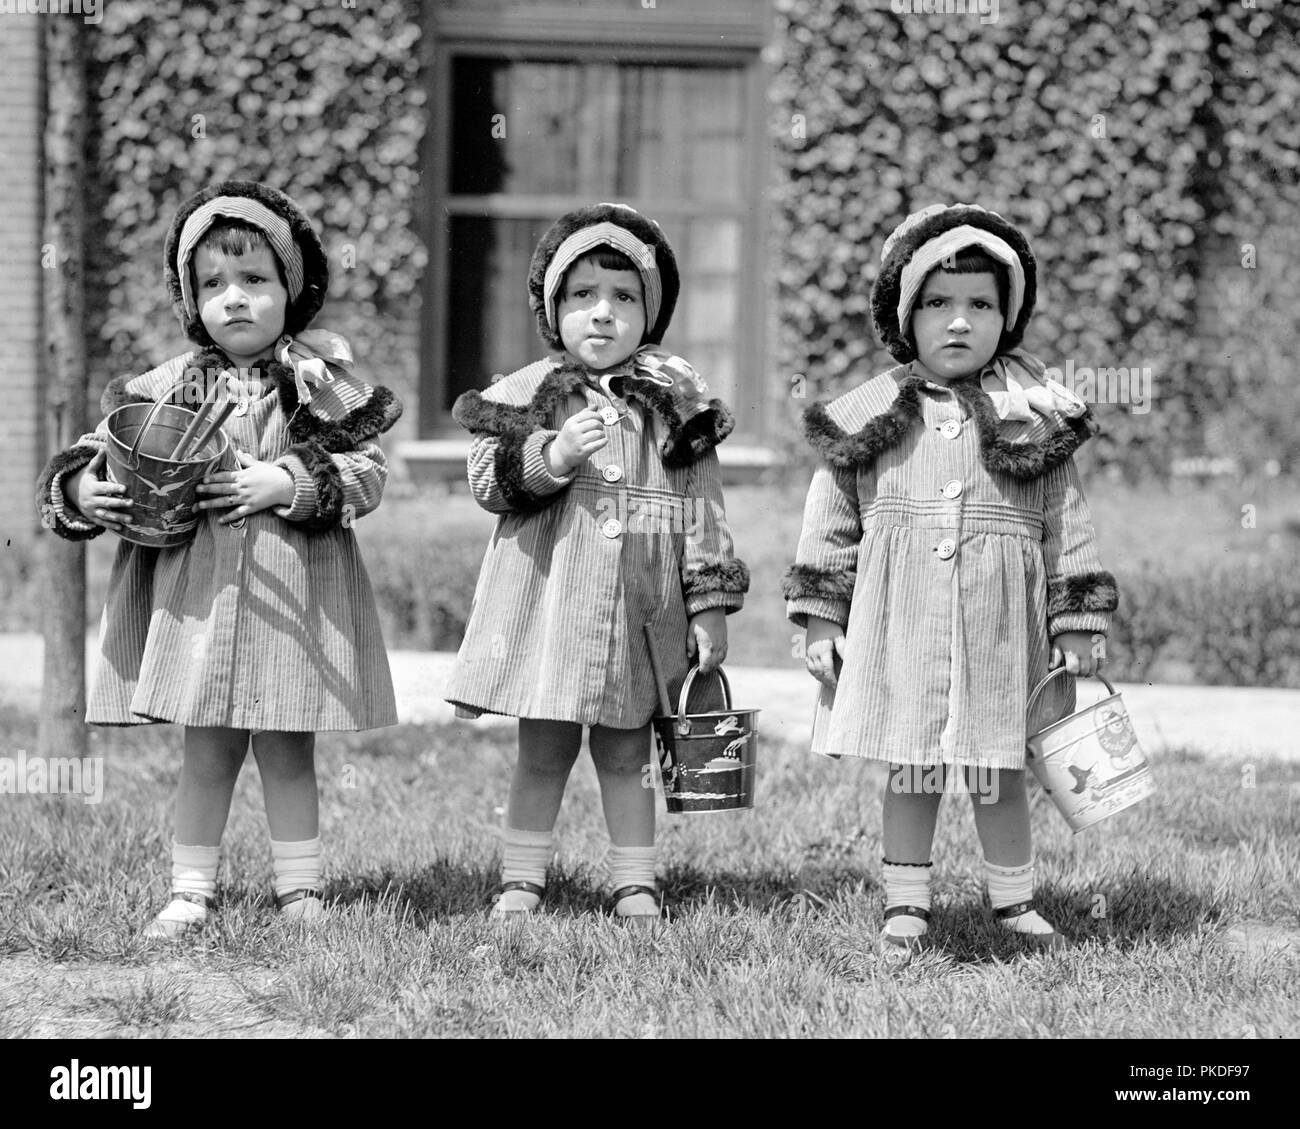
pixel 578 565
pixel 951 545
pixel 270 625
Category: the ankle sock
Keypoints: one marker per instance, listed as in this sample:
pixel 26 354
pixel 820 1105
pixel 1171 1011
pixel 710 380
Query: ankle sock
pixel 297 865
pixel 1010 885
pixel 525 857
pixel 194 871
pixel 906 884
pixel 633 866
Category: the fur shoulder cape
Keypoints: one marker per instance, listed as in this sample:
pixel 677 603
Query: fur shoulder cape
pixel 851 432
pixel 525 402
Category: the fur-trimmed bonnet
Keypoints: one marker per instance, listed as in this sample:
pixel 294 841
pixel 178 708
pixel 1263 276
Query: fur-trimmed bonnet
pixel 582 231
pixel 926 238
pixel 287 229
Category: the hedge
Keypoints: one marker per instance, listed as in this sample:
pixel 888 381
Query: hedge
pixel 1139 145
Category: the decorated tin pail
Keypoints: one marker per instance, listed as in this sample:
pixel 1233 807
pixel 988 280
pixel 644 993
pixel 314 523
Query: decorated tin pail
pixel 707 759
pixel 141 439
pixel 1089 762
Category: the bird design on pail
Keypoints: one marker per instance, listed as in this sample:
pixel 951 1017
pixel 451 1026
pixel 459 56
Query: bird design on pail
pixel 727 725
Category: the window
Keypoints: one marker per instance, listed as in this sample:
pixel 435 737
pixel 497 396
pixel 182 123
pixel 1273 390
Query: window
pixel 521 137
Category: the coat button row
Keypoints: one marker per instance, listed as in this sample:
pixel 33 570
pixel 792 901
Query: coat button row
pixel 950 429
pixel 611 473
pixel 952 489
pixel 946 548
pixel 612 528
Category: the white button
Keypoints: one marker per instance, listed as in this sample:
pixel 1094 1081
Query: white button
pixel 952 489
pixel 612 528
pixel 946 548
pixel 950 429
pixel 609 416
pixel 612 473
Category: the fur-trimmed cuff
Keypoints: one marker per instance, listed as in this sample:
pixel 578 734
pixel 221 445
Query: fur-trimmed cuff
pixel 325 507
pixel 537 477
pixel 55 510
pixel 720 585
pixel 807 582
pixel 1084 592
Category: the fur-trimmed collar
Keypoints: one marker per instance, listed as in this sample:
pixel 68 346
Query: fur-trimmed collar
pixel 892 403
pixel 526 400
pixel 379 408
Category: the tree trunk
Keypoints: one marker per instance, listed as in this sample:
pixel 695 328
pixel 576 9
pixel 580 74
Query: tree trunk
pixel 62 729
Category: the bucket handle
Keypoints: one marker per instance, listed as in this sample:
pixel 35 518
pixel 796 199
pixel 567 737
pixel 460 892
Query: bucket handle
pixel 1037 690
pixel 133 460
pixel 684 726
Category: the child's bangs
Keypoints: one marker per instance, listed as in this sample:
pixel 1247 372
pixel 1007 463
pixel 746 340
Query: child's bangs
pixel 235 237
pixel 609 259
pixel 973 260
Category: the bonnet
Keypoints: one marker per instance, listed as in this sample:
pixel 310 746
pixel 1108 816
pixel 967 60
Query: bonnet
pixel 582 231
pixel 286 228
pixel 926 238
pixel 1015 379
pixel 315 356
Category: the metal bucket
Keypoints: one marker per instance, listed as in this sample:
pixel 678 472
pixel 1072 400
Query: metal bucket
pixel 707 759
pixel 1090 762
pixel 141 438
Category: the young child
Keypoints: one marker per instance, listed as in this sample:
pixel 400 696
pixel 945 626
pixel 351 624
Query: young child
pixel 600 461
pixel 262 629
pixel 948 557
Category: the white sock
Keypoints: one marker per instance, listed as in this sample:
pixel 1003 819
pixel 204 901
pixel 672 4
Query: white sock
pixel 194 871
pixel 524 858
pixel 297 865
pixel 1010 885
pixel 906 884
pixel 633 866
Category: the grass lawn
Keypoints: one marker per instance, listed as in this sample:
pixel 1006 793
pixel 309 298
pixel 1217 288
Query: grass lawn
pixel 1184 911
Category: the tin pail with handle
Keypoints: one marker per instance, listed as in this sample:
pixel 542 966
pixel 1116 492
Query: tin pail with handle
pixel 141 442
pixel 707 759
pixel 1089 762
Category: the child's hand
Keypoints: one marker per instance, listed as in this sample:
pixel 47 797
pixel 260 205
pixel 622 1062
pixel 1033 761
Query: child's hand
pixel 254 486
pixel 823 642
pixel 581 436
pixel 100 501
pixel 707 635
pixel 1076 651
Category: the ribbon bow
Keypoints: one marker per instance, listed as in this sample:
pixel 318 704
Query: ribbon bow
pixel 316 356
pixel 1016 384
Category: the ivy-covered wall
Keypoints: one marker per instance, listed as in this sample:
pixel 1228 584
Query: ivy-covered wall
pixel 320 99
pixel 1149 149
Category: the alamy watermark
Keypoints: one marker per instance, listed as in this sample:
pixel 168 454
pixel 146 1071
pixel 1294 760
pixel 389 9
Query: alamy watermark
pixel 59 776
pixel 90 11
pixel 987 10
pixel 935 779
pixel 1127 384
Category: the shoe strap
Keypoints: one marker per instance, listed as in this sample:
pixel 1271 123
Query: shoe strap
pixel 192 897
pixel 1013 910
pixel 631 891
pixel 908 911
pixel 526 887
pixel 292 896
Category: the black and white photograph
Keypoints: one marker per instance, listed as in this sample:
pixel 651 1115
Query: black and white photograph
pixel 617 520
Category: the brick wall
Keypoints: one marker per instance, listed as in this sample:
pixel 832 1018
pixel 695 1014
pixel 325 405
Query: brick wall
pixel 20 280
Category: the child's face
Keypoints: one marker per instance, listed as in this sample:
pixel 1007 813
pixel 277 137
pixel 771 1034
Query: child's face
pixel 601 314
pixel 241 301
pixel 957 324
